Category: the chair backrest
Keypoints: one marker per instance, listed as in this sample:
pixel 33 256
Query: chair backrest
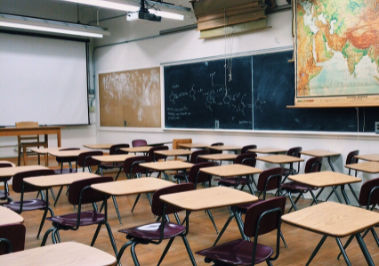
pixel 256 224
pixel 295 151
pixel 246 159
pixel 195 176
pixel 15 234
pixel 131 165
pixel 26 124
pixel 246 148
pixel 85 158
pixel 116 148
pixel 313 165
pixel 195 156
pixel 18 180
pixel 350 158
pixel 157 204
pixel 175 142
pixel 5 164
pixel 269 179
pixel 155 157
pixel 139 142
pixel 81 192
pixel 216 144
pixel 70 149
pixel 369 192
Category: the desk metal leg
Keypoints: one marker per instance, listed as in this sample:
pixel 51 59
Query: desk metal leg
pixel 363 247
pixel 317 249
pixel 343 251
pixel 330 164
pixel 344 195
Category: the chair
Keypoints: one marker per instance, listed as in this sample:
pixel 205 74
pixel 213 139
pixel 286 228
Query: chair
pixel 155 233
pixel 85 160
pixel 116 148
pixel 296 152
pixel 69 160
pixel 24 142
pixel 311 166
pixel 156 157
pixel 368 198
pixel 246 159
pixel 19 186
pixel 12 238
pixel 139 142
pixel 193 159
pixel 4 195
pixel 246 148
pixel 211 151
pixel 269 179
pixel 261 218
pixel 350 159
pixel 79 194
pixel 176 142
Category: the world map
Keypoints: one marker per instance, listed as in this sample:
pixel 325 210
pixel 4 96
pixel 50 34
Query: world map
pixel 337 45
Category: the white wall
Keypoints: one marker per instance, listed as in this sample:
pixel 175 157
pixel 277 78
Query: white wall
pixel 186 46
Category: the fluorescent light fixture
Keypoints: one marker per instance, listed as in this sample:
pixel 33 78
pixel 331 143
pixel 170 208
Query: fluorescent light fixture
pixel 40 25
pixel 121 5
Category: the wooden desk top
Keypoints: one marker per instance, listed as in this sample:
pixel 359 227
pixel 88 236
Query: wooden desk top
pixel 174 152
pixel 279 159
pixel 367 167
pixel 192 145
pixel 368 157
pixel 167 165
pixel 324 179
pixel 7 216
pixel 114 158
pixel 225 148
pixel 231 170
pixel 208 198
pixel 47 181
pixel 98 146
pixel 334 219
pixel 2 161
pixel 137 149
pixel 62 154
pixel 218 156
pixel 132 186
pixel 66 253
pixel 268 150
pixel 11 171
pixel 320 153
pixel 44 150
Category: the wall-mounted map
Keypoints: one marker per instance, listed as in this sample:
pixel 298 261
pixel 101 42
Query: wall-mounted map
pixel 130 98
pixel 337 55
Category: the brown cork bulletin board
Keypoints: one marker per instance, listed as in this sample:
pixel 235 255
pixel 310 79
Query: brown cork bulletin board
pixel 130 98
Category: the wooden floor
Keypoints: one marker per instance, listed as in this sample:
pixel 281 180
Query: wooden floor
pixel 300 242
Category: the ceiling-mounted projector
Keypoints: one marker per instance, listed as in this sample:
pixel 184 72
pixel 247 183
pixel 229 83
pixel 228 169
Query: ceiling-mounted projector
pixel 143 13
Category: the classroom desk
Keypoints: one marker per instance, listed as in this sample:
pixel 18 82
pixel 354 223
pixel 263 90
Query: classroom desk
pixel 322 153
pixel 8 216
pixel 66 253
pixel 143 149
pixel 174 152
pixel 326 179
pixel 268 150
pixel 42 130
pixel 192 145
pixel 219 156
pixel 367 167
pixel 44 151
pixel 368 157
pixel 336 220
pixel 167 166
pixel 98 146
pixel 225 148
pixel 280 159
pixel 7 172
pixel 112 158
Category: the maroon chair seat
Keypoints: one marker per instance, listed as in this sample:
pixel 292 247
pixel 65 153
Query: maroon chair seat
pixel 27 205
pixel 139 142
pixel 261 218
pixel 237 252
pixel 86 218
pixel 152 231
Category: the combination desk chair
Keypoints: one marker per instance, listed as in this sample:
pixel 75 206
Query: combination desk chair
pixel 311 166
pixel 19 186
pixel 369 198
pixel 155 233
pixel 69 160
pixel 12 238
pixel 296 152
pixel 4 195
pixel 114 149
pixel 211 151
pixel 246 148
pixel 261 218
pixel 79 194
pixel 24 142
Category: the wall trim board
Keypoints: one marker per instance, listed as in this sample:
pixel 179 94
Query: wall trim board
pixel 130 129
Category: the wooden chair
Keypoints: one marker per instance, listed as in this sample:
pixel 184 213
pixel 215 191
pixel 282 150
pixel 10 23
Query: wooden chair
pixel 23 142
pixel 176 142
